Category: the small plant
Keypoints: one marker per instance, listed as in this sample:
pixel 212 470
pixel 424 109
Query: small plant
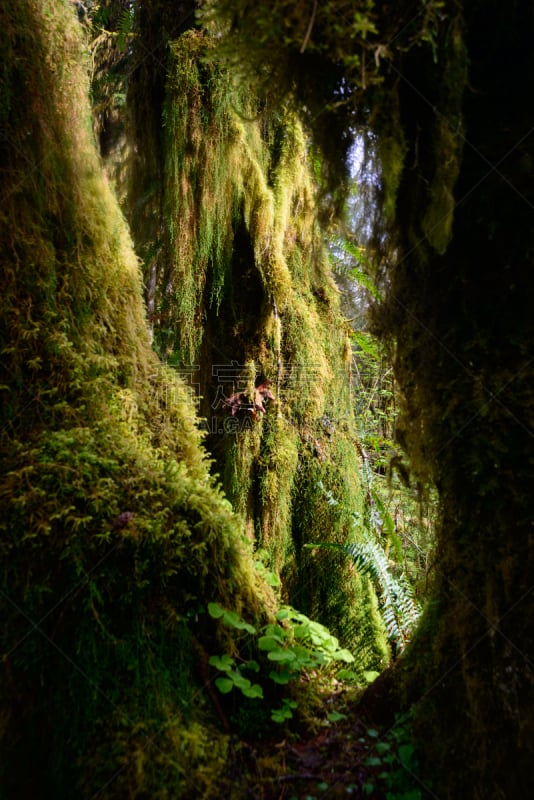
pixel 298 645
pixel 393 764
pixel 294 644
pixel 233 677
pixel 284 713
pixel 230 618
pixel 399 610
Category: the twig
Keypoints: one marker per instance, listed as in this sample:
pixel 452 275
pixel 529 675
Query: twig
pixel 310 27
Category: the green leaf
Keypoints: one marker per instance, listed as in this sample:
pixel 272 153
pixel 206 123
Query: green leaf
pixel 280 715
pixel 373 761
pixel 246 626
pixel 303 654
pixel 240 681
pixel 367 343
pixel 224 663
pixel 347 675
pixel 276 632
pixel 406 752
pixel 282 677
pixel 389 525
pixel 234 620
pixel 224 685
pixel 335 716
pixel 370 675
pixel 253 691
pixel 230 618
pixel 274 581
pixel 343 655
pixel 382 747
pixel 360 276
pixel 281 655
pixel 215 611
pixel 270 643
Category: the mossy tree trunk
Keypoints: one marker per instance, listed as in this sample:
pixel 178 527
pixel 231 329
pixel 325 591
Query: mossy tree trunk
pixel 465 330
pixel 113 536
pixel 240 292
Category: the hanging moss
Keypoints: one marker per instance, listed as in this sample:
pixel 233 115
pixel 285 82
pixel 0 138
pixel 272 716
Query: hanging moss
pixel 277 470
pixel 246 282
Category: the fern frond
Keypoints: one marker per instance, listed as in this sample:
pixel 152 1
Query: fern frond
pixel 399 610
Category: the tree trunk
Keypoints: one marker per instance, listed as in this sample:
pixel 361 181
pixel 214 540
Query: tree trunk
pixel 464 326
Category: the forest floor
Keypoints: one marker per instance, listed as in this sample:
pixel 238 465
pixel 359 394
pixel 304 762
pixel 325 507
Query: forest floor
pixel 331 764
pixel 346 757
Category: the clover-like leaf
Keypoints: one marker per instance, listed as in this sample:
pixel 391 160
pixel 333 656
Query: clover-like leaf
pixel 240 681
pixel 344 655
pixel 223 663
pixel 215 610
pixel 270 643
pixel 253 691
pixel 282 677
pixel 224 685
pixel 281 655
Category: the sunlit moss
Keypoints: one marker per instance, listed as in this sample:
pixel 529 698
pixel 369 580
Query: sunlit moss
pixel 114 536
pixel 244 278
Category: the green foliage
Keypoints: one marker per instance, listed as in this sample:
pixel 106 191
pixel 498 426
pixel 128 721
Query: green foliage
pixel 394 764
pixel 400 515
pixel 233 677
pixel 294 646
pixel 229 618
pixel 285 712
pixel 398 608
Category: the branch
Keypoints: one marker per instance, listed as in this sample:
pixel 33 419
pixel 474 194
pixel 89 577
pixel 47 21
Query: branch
pixel 310 28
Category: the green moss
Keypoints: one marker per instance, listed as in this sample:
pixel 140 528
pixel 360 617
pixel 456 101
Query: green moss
pixel 114 536
pixel 278 465
pixel 458 294
pixel 245 280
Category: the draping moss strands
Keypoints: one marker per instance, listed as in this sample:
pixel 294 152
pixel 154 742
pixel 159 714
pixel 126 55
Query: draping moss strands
pixel 246 292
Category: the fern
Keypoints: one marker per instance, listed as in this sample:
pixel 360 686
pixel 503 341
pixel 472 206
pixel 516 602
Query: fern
pixel 399 609
pixel 125 28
